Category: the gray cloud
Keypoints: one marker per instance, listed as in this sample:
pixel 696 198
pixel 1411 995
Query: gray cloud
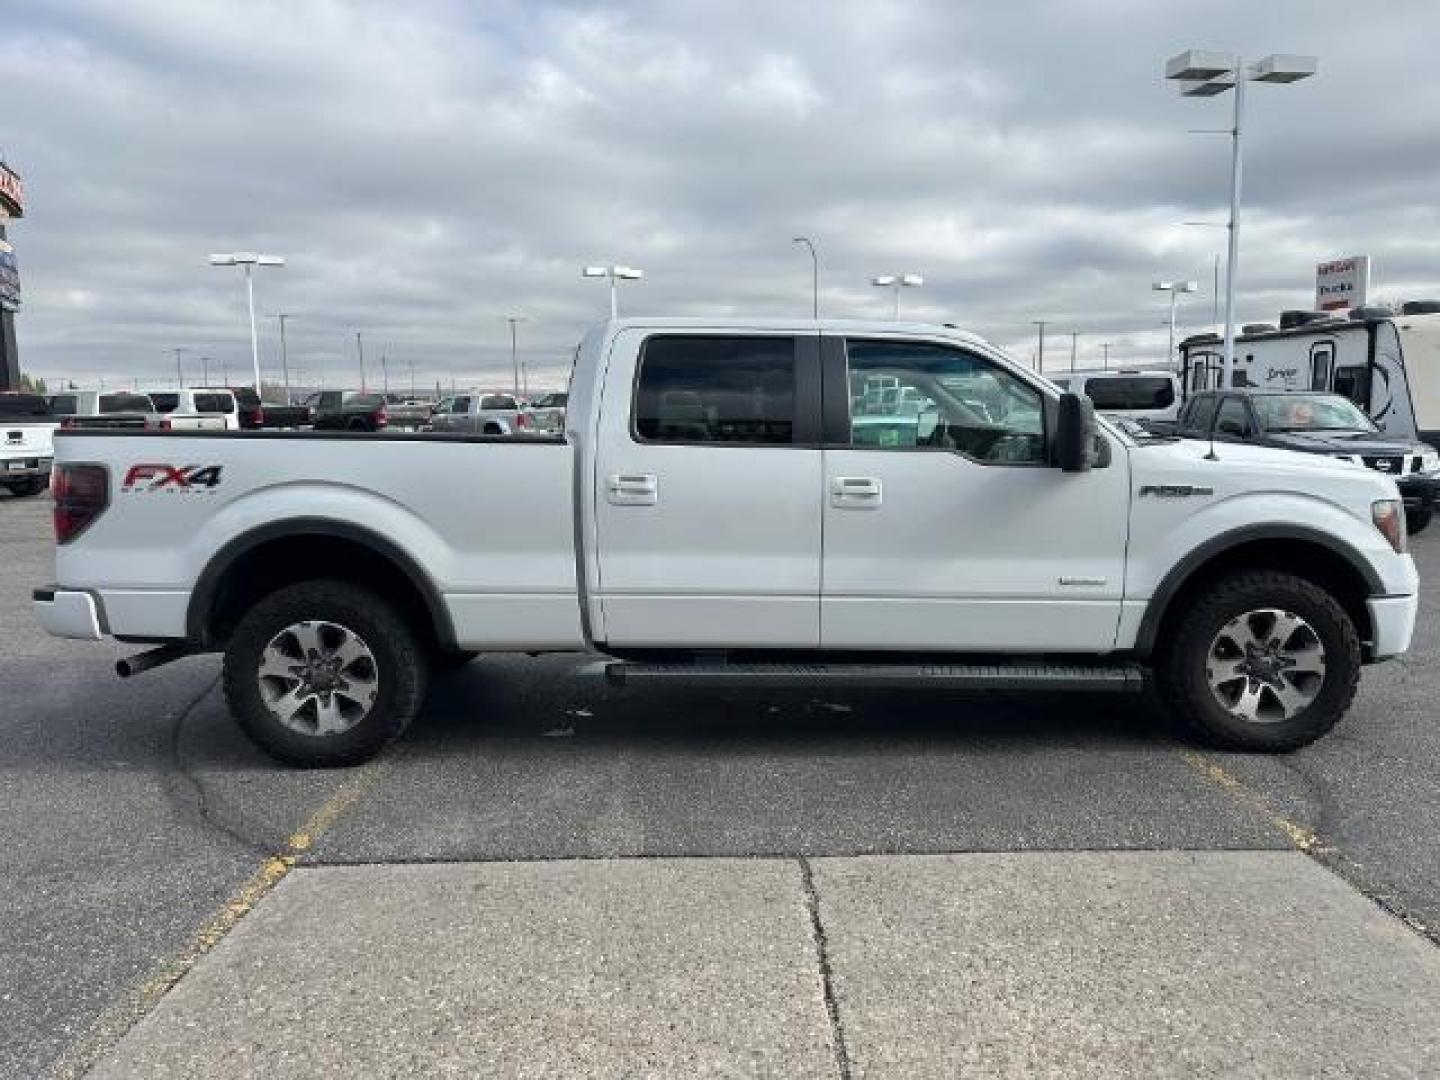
pixel 429 167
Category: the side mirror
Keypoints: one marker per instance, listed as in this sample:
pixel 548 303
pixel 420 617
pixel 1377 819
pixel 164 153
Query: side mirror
pixel 1074 447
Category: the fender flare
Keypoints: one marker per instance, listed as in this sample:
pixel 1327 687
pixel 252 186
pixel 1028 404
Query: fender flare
pixel 1183 571
pixel 202 597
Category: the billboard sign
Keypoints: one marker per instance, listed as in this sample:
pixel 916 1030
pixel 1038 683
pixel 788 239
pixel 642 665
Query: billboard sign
pixel 1342 283
pixel 12 193
pixel 9 279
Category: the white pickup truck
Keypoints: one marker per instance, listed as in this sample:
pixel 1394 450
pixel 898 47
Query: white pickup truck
pixel 730 501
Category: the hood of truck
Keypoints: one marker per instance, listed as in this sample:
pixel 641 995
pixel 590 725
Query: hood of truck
pixel 1240 468
pixel 1342 442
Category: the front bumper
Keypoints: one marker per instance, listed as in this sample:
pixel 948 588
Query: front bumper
pixel 1392 619
pixel 25 468
pixel 68 614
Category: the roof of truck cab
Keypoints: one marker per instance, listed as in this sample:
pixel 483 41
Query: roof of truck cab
pixel 797 325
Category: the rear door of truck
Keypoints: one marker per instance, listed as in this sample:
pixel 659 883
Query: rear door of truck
pixel 708 481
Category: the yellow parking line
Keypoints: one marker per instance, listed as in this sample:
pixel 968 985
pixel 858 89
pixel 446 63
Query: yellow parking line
pixel 111 1025
pixel 1303 838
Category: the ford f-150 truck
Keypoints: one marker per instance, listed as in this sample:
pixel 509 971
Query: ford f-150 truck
pixel 730 503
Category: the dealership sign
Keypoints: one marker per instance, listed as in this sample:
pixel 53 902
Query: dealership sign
pixel 12 193
pixel 1342 283
pixel 9 279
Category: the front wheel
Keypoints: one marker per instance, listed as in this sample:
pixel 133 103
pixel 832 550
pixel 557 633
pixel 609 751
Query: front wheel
pixel 32 486
pixel 1261 661
pixel 324 673
pixel 1416 520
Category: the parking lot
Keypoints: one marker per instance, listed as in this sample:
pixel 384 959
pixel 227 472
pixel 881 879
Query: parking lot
pixel 742 882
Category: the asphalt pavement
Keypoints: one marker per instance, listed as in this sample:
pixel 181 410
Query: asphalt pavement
pixel 131 812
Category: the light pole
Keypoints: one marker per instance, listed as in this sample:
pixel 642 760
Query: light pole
pixel 249 260
pixel 360 351
pixel 514 319
pixel 814 274
pixel 284 352
pixel 897 282
pixel 1174 288
pixel 412 378
pixel 1105 345
pixel 525 379
pixel 1040 356
pixel 614 273
pixel 1074 345
pixel 179 375
pixel 204 371
pixel 1205 74
pixel 384 375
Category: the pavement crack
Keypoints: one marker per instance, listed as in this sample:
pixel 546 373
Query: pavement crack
pixel 200 800
pixel 822 960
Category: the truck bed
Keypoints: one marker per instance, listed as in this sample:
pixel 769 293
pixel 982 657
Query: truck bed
pixel 489 520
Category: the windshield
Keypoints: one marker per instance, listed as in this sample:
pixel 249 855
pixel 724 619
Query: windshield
pixel 1310 412
pixel 23 406
pixel 118 403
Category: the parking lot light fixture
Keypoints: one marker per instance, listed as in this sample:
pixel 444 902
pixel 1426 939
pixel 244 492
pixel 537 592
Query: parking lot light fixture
pixel 614 273
pixel 1206 74
pixel 897 282
pixel 1174 288
pixel 248 260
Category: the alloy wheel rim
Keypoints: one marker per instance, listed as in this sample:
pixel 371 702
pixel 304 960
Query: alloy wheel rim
pixel 318 677
pixel 1265 666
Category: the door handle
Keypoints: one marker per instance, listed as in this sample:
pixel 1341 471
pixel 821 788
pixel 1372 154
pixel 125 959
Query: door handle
pixel 855 492
pixel 633 489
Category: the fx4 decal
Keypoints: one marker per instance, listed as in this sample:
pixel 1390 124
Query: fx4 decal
pixel 152 477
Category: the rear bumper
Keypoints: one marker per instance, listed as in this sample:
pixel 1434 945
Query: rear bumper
pixel 20 468
pixel 1393 621
pixel 68 614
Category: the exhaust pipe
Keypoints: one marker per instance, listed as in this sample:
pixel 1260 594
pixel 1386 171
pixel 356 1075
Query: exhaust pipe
pixel 131 666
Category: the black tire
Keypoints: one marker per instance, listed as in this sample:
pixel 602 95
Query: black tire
pixel 358 425
pixel 1417 520
pixel 32 486
pixel 399 661
pixel 1183 661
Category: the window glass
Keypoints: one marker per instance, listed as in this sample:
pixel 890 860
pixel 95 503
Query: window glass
pixel 165 402
pixel 23 406
pixel 366 401
pixel 908 394
pixel 497 401
pixel 214 403
pixel 118 403
pixel 1320 368
pixel 696 389
pixel 1353 382
pixel 246 396
pixel 64 404
pixel 1131 392
pixel 331 399
pixel 1198 415
pixel 1232 419
pixel 461 404
pixel 1310 412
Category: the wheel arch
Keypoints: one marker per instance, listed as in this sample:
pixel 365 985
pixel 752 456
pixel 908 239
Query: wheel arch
pixel 1296 549
pixel 281 553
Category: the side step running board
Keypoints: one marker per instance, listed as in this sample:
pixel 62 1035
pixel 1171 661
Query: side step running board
pixel 1115 678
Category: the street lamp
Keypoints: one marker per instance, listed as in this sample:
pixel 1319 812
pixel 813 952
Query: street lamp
pixel 249 259
pixel 284 352
pixel 360 352
pixel 1206 74
pixel 614 273
pixel 814 275
pixel 897 282
pixel 1174 288
pixel 514 319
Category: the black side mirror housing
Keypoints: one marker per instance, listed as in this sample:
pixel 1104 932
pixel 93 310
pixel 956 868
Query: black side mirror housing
pixel 1074 449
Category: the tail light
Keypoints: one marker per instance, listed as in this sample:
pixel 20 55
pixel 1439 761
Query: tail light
pixel 259 418
pixel 165 424
pixel 382 418
pixel 82 492
pixel 522 420
pixel 1389 518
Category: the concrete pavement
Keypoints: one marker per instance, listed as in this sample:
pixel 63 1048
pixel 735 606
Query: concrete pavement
pixel 1082 963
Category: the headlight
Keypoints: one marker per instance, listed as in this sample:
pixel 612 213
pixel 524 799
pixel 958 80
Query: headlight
pixel 1389 518
pixel 1430 462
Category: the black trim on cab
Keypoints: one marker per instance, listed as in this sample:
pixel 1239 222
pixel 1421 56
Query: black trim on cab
pixel 1182 571
pixel 203 597
pixel 365 436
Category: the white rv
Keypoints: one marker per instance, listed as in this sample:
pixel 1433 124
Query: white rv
pixel 1388 364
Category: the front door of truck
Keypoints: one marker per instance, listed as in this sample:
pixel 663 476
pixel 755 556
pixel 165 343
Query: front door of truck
pixel 945 528
pixel 707 491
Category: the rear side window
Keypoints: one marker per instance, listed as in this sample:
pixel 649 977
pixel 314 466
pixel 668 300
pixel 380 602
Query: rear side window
pixel 1233 418
pixel 1131 392
pixel 461 404
pixel 118 403
pixel 694 389
pixel 64 404
pixel 165 402
pixel 246 396
pixel 214 403
pixel 23 406
pixel 496 402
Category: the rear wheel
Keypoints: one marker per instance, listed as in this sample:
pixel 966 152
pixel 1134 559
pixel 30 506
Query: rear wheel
pixel 1416 520
pixel 324 673
pixel 1261 661
pixel 31 486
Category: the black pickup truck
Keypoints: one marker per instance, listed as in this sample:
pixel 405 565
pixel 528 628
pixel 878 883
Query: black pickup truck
pixel 1313 423
pixel 348 410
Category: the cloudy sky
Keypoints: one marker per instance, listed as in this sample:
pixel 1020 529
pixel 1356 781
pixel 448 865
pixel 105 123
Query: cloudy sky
pixel 428 168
